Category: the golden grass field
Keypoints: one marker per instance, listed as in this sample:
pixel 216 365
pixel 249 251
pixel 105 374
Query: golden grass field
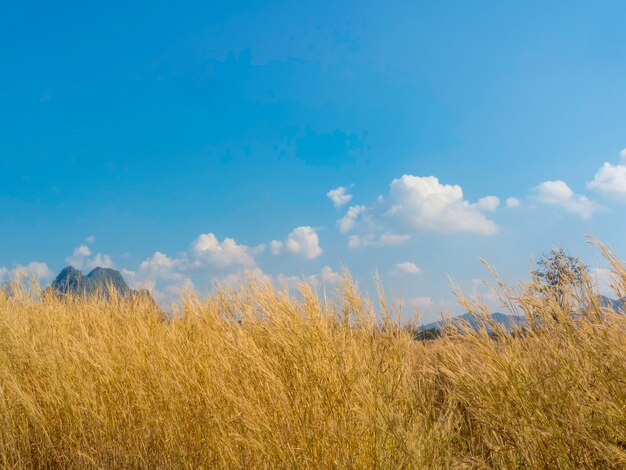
pixel 254 378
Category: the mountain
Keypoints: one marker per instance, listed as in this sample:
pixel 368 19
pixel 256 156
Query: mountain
pixel 100 280
pixel 616 305
pixel 509 322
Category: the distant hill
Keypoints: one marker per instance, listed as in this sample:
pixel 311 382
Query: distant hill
pixel 72 281
pixel 617 305
pixel 509 322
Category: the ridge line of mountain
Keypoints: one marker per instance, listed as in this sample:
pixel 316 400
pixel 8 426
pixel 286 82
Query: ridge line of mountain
pixel 99 280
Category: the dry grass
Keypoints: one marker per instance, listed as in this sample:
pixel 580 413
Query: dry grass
pixel 258 379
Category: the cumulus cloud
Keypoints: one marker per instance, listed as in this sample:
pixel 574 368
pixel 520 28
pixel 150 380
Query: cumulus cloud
pixel 90 240
pixel 339 196
pixel 406 267
pixel 302 241
pixel 80 259
pixel 276 247
pixel 161 266
pixel 100 260
pixel 325 278
pixel 417 204
pixel 222 254
pixel 423 203
pixel 225 264
pixel 174 291
pixel 39 270
pixel 348 221
pixel 488 203
pixel 328 276
pixel 78 256
pixel 220 262
pixel 166 277
pixel 512 202
pixel 36 269
pixel 560 194
pixel 161 275
pixel 234 280
pixel 610 180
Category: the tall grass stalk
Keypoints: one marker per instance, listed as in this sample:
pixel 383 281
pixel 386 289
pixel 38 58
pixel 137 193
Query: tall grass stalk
pixel 255 378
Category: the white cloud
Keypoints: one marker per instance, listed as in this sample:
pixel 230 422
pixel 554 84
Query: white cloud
pixel 560 194
pixel 173 291
pixel 405 267
pixel 339 196
pixel 137 282
pixel 603 278
pixel 357 241
pixel 416 204
pixel 610 180
pixel 370 239
pixel 512 202
pixel 348 221
pixel 423 203
pixel 225 263
pixel 80 259
pixel 161 275
pixel 326 277
pixel 236 279
pixel 36 269
pixel 160 266
pixel 40 270
pixel 488 203
pixel 209 258
pixel 302 241
pixel 222 254
pixel 100 261
pixel 276 247
pixel 90 240
pixel 78 256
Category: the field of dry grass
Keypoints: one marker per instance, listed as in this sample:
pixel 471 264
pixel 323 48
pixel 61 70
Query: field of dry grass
pixel 254 378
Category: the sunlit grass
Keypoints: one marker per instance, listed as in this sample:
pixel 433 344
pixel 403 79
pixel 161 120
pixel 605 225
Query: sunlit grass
pixel 254 378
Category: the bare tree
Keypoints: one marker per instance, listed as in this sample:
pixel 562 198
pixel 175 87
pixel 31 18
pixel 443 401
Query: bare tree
pixel 558 274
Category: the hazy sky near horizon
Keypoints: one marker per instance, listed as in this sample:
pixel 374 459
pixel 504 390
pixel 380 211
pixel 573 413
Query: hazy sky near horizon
pixel 187 143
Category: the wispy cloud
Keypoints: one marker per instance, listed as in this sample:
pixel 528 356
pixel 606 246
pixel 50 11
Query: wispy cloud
pixel 405 267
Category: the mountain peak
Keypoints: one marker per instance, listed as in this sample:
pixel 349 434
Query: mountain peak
pixel 69 279
pixel 69 270
pixel 103 277
pixel 99 280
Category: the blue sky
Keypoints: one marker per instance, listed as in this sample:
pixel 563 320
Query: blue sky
pixel 190 142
